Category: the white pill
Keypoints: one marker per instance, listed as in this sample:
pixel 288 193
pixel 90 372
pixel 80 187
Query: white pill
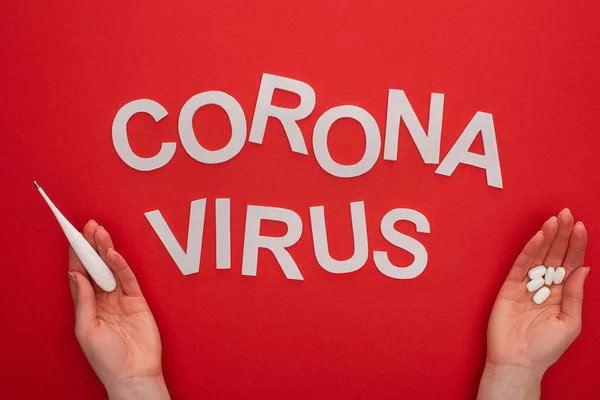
pixel 559 275
pixel 549 276
pixel 536 272
pixel 535 284
pixel 541 295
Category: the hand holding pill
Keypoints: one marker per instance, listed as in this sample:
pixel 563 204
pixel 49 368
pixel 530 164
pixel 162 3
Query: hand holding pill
pixel 537 314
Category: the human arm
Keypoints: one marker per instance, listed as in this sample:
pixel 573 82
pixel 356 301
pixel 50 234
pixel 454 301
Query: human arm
pixel 524 338
pixel 117 331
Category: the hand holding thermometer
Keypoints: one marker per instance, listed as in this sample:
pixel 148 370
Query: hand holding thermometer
pixel 92 262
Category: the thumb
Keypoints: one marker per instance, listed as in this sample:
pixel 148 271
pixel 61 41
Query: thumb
pixel 84 299
pixel 572 302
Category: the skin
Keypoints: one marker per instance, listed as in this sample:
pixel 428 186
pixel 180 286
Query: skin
pixel 525 339
pixel 116 330
pixel 120 338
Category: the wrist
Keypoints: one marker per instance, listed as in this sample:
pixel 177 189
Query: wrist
pixel 147 388
pixel 509 381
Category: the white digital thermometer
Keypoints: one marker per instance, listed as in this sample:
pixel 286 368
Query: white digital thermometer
pixel 92 262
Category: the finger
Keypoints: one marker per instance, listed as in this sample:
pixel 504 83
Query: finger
pixel 125 275
pixel 89 231
pixel 85 301
pixel 550 228
pixel 103 241
pixel 525 260
pixel 572 301
pixel 558 249
pixel 576 250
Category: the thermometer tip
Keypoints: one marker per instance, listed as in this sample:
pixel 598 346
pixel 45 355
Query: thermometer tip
pixel 36 185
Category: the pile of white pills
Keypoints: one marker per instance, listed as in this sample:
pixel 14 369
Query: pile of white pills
pixel 540 276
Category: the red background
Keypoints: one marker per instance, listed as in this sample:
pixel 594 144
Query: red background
pixel 68 66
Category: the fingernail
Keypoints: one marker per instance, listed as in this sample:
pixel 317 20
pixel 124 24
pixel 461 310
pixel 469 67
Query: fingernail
pixel 73 285
pixel 93 220
pixel 580 223
pixel 587 271
pixel 565 209
pixel 100 227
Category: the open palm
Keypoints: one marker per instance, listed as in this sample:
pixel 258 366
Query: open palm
pixel 116 330
pixel 525 334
